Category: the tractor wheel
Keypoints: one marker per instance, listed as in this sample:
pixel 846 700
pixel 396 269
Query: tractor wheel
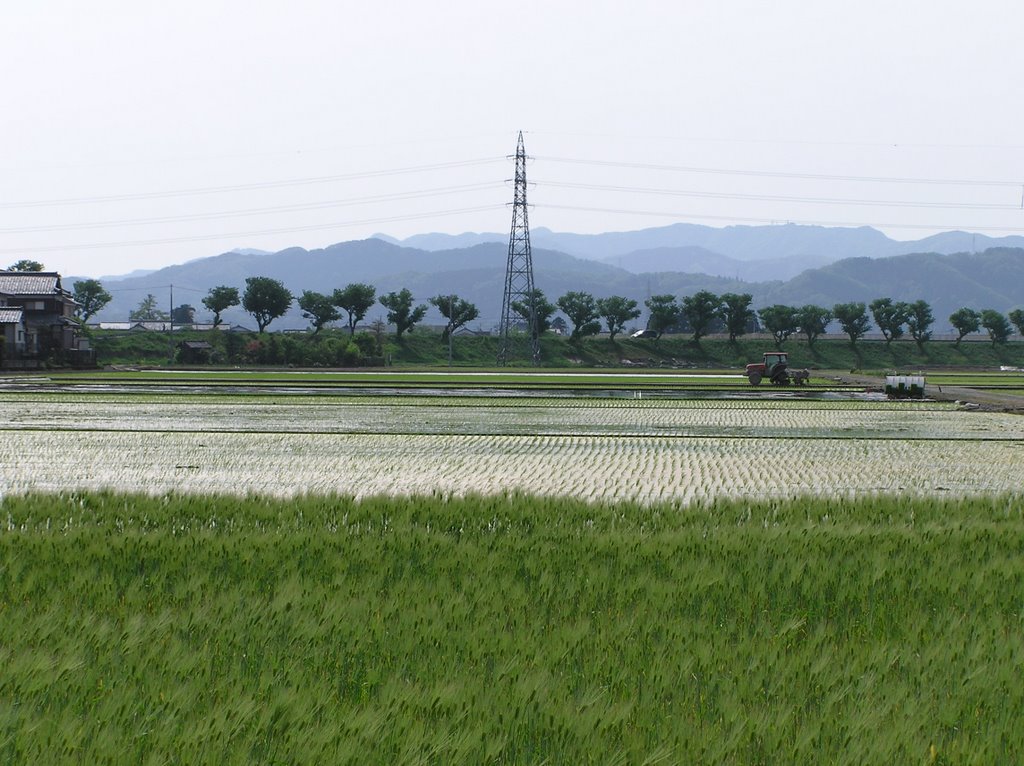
pixel 755 378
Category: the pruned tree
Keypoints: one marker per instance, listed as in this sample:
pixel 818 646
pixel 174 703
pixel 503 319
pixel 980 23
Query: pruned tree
pixel 183 314
pixel 812 321
pixel 780 321
pixel 699 311
pixel 997 325
pixel 616 311
pixel 456 310
pixel 90 297
pixel 265 299
pixel 964 321
pixel 401 313
pixel 148 311
pixel 26 265
pixel 664 313
pixel 853 318
pixel 219 299
pixel 1017 317
pixel 355 299
pixel 318 308
pixel 890 317
pixel 919 321
pixel 542 310
pixel 581 309
pixel 735 312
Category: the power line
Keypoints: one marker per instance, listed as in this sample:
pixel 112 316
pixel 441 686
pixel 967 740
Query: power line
pixel 783 141
pixel 776 198
pixel 254 211
pixel 253 233
pixel 248 187
pixel 780 174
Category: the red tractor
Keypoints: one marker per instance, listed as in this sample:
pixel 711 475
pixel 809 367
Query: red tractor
pixel 775 367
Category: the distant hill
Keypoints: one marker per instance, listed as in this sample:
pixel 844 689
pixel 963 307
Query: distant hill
pixel 744 243
pixel 475 273
pixel 695 259
pixel 992 279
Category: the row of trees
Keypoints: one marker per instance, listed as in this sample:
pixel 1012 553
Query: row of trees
pixel 267 299
pixel 893 318
pixel 696 313
pixel 699 314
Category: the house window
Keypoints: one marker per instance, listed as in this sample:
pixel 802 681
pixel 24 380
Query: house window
pixel 35 305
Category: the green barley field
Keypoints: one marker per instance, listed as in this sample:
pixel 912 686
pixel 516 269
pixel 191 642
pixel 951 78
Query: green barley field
pixel 509 630
pixel 278 575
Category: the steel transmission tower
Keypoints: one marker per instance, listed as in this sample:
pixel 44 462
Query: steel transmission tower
pixel 518 334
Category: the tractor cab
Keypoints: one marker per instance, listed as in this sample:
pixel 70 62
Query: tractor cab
pixel 771 361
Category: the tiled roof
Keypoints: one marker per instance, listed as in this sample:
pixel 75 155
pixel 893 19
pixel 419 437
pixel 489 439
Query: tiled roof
pixel 10 315
pixel 28 283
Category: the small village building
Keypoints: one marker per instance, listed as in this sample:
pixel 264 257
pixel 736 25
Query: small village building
pixel 37 321
pixel 195 352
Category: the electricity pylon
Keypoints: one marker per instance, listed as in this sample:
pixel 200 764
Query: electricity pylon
pixel 519 333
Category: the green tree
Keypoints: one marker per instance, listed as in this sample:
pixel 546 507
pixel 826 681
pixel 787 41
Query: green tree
pixel 853 318
pixel 1017 317
pixel 148 311
pixel 812 321
pixel 616 311
pixel 581 309
pixel 355 299
pixel 318 308
pixel 890 317
pixel 183 314
pixel 219 299
pixel 919 321
pixel 457 311
pixel 997 325
pixel 266 299
pixel 542 311
pixel 964 321
pixel 401 313
pixel 664 313
pixel 780 321
pixel 735 312
pixel 699 311
pixel 90 297
pixel 26 265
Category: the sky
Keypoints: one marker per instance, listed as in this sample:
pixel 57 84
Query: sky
pixel 137 134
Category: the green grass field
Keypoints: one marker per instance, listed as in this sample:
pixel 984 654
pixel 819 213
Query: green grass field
pixel 509 630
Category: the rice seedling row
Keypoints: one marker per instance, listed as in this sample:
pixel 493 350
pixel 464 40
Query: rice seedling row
pixel 595 468
pixel 510 416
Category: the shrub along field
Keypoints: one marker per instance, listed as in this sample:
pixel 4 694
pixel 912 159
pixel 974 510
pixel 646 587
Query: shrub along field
pixel 334 348
pixel 509 629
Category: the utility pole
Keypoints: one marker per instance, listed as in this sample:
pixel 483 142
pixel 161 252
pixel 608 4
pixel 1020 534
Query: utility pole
pixel 519 277
pixel 170 331
pixel 451 319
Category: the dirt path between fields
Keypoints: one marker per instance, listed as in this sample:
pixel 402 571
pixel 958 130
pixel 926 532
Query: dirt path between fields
pixel 990 401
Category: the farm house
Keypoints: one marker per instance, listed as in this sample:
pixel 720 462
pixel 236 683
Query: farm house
pixel 37 320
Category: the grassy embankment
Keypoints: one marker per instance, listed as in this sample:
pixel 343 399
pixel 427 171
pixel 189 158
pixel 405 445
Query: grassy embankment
pixel 427 349
pixel 509 630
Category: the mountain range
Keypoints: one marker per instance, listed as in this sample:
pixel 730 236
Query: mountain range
pixel 776 264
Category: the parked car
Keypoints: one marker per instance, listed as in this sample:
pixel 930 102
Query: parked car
pixel 644 334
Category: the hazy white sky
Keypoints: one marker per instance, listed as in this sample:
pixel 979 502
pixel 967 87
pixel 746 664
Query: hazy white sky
pixel 138 133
